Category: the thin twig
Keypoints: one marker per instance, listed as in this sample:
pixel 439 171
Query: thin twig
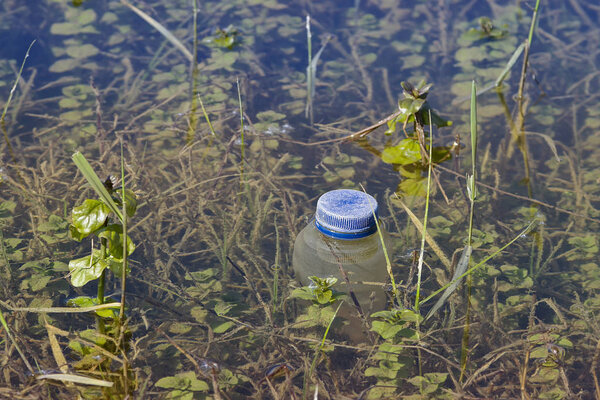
pixel 60 310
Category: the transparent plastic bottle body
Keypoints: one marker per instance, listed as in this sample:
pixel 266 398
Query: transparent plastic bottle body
pixel 363 260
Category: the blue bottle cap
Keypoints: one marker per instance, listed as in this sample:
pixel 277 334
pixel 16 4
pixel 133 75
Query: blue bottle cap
pixel 346 214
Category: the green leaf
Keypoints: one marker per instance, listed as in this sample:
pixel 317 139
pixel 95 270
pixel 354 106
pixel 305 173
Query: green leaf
pixel 130 201
pixel 556 393
pixel 89 217
pixel 587 244
pixel 7 208
pixel 564 342
pixel 82 51
pixel 75 234
pixel 86 17
pixel 38 282
pixel 222 308
pixel 410 106
pixel 385 329
pixel 398 316
pixel 71 29
pixel 186 381
pixel 270 116
pixel 381 392
pixel 84 301
pixel 89 174
pixel 222 327
pixel 435 118
pixel 436 377
pixel 202 276
pixel 180 327
pixel 323 296
pixel 413 61
pixel 78 92
pixel 410 316
pixel 304 293
pixel 321 289
pixel 86 269
pixel 54 224
pixel 39 265
pixel 226 38
pixel 440 153
pixel 323 283
pixel 181 395
pixel 471 189
pixel 116 266
pixel 413 187
pixel 218 61
pixel 64 65
pixel 413 171
pixel 406 152
pixel 381 373
pixel 199 313
pixel 81 301
pixel 539 352
pixel 114 234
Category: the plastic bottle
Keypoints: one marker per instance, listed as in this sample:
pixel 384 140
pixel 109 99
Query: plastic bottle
pixel 344 232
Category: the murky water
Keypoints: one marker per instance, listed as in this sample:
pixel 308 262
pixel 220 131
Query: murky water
pixel 212 299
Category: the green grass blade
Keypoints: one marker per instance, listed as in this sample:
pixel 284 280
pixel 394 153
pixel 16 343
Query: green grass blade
pixel 533 22
pixel 315 358
pixel 384 248
pixel 311 70
pixel 309 83
pixel 510 64
pixel 163 31
pixel 461 267
pixel 12 92
pixel 124 244
pixel 473 126
pixel 425 217
pixel 206 117
pixel 472 192
pixel 471 188
pixel 276 267
pixel 241 130
pixel 3 322
pixel 89 174
pixel 525 231
pixel 12 339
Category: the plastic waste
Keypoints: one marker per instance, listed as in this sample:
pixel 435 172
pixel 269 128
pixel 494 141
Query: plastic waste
pixel 343 233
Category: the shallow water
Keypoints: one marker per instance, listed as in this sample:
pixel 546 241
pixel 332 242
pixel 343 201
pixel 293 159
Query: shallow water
pixel 99 73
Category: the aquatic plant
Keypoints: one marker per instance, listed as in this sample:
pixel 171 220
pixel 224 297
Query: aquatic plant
pixel 92 217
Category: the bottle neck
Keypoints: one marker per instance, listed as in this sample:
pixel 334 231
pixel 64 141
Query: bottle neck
pixel 345 235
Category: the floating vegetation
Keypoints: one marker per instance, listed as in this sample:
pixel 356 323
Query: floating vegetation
pixel 223 135
pixel 227 38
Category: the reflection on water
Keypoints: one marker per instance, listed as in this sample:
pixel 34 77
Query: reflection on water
pixel 99 73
